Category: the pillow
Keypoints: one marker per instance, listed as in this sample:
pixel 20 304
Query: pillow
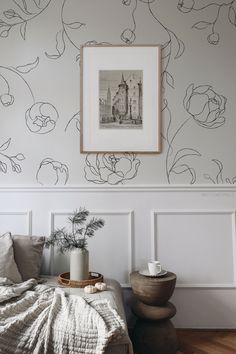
pixel 8 267
pixel 28 252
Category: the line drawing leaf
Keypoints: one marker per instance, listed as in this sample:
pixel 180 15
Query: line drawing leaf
pixel 24 7
pixel 165 50
pixel 176 45
pixel 232 15
pixel 23 29
pixel 178 169
pixel 181 48
pixel 97 163
pixel 5 145
pixel 10 159
pixel 5 31
pixel 201 25
pixel 219 177
pixel 74 25
pixel 169 79
pixel 20 157
pixel 9 14
pixel 15 167
pixel 24 69
pixel 60 46
pixel 37 3
pixel 76 118
pixel 184 153
pixel 3 167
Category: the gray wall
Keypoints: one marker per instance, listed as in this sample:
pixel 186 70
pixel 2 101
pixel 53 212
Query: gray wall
pixel 39 90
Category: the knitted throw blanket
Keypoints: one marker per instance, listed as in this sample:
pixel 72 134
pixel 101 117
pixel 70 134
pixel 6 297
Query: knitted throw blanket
pixel 37 319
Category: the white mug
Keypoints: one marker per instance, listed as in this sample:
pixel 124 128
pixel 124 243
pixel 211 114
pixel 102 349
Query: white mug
pixel 154 267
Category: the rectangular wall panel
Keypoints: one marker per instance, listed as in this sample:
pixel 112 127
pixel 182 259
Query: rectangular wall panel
pixel 197 245
pixel 16 222
pixel 110 250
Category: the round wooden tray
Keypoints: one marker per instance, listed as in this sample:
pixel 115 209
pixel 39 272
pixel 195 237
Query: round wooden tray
pixel 64 279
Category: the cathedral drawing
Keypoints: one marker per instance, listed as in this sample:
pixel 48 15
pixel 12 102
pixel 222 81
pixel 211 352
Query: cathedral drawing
pixel 121 99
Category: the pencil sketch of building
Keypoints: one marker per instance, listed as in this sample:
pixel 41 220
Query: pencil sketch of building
pixel 120 99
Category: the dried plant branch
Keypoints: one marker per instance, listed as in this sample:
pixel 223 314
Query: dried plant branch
pixel 77 238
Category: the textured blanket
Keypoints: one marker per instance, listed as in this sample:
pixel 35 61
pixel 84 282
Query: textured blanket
pixel 37 319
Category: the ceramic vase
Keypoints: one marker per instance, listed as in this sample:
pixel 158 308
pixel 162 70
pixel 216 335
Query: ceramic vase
pixel 79 264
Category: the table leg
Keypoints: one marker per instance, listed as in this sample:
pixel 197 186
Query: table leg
pixel 155 337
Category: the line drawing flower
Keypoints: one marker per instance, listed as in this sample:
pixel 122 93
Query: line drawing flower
pixel 172 49
pixel 63 34
pixel 110 168
pixel 53 172
pixel 186 6
pixel 6 97
pixel 128 35
pixel 11 159
pixel 41 117
pixel 205 106
pixel 176 161
pixel 20 15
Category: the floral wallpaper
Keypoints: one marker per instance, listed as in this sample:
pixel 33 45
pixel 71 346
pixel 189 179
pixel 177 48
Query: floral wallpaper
pixel 39 90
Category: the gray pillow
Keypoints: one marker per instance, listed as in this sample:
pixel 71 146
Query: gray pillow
pixel 8 267
pixel 28 252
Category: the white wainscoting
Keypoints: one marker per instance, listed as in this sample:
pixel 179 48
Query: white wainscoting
pixel 110 252
pixel 190 229
pixel 201 245
pixel 16 221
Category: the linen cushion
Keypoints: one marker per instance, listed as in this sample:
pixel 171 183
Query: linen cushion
pixel 28 254
pixel 8 267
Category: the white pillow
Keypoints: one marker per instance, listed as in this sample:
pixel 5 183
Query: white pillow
pixel 8 267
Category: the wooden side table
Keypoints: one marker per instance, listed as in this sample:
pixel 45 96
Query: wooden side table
pixel 154 333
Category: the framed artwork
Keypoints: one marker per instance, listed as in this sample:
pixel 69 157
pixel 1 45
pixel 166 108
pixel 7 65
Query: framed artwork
pixel 120 102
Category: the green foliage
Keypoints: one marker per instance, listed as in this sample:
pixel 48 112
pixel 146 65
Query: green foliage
pixel 80 231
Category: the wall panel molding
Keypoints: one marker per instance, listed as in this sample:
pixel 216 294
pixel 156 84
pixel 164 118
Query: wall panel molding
pixel 40 209
pixel 121 188
pixel 130 232
pixel 26 213
pixel 169 212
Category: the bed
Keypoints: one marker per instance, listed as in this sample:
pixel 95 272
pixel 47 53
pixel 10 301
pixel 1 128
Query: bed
pixel 39 316
pixel 114 295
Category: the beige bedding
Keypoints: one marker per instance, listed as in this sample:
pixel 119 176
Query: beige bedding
pixel 114 295
pixel 42 318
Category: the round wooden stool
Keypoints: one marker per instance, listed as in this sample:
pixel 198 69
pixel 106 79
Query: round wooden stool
pixel 154 333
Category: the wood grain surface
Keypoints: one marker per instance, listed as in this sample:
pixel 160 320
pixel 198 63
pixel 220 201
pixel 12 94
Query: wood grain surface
pixel 206 341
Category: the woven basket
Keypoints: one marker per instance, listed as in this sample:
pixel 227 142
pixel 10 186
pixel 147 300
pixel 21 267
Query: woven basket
pixel 64 279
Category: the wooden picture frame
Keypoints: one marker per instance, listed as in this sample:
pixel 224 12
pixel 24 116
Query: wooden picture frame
pixel 120 104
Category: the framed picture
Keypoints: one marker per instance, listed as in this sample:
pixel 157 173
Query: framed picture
pixel 120 103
